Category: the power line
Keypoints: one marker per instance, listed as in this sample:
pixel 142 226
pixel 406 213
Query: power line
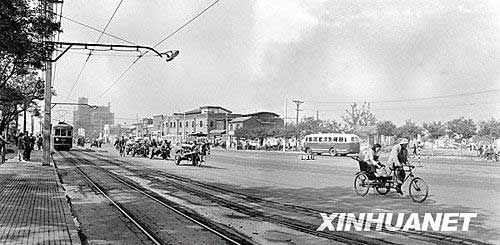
pixel 156 45
pixel 95 29
pixel 410 107
pixel 90 53
pixel 409 100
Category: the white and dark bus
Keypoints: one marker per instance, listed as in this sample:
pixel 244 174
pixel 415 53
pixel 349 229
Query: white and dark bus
pixel 334 144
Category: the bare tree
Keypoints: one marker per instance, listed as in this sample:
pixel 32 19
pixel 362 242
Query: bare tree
pixel 359 116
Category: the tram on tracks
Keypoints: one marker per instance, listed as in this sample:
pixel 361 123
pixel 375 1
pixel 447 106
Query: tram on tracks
pixel 62 136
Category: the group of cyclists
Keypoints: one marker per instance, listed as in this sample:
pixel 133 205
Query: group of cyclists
pixel 163 148
pixel 144 147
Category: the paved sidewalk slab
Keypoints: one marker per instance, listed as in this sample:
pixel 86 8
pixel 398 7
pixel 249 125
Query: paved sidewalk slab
pixel 33 208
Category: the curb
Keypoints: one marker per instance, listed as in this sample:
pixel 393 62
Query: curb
pixel 70 222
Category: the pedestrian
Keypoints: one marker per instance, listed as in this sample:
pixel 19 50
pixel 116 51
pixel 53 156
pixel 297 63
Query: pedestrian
pixel 20 147
pixel 39 141
pixel 3 143
pixel 27 146
pixel 32 142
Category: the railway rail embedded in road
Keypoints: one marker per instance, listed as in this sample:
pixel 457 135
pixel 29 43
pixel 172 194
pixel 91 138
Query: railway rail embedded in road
pixel 133 217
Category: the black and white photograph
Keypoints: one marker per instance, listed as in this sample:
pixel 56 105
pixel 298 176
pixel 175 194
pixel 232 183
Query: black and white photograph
pixel 250 122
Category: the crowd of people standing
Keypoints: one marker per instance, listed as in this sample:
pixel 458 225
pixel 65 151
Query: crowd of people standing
pixel 26 144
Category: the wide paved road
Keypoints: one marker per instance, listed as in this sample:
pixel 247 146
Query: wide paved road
pixel 325 184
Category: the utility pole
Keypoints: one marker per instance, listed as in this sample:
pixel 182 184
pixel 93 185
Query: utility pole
pixel 298 103
pixel 32 124
pixel 284 127
pixel 48 5
pixel 24 119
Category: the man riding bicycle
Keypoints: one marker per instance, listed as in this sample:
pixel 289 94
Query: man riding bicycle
pixel 398 157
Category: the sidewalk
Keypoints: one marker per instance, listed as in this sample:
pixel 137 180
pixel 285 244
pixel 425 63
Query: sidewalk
pixel 33 208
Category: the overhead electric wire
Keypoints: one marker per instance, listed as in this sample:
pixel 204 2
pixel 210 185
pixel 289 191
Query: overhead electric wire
pixel 90 53
pixel 409 100
pixel 156 45
pixel 95 29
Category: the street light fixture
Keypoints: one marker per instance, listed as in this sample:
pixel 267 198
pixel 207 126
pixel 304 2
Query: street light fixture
pixel 170 55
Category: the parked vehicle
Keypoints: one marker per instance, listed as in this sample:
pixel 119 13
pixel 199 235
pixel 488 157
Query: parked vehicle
pixel 334 144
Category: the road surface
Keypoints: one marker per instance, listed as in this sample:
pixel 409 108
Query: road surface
pixel 259 194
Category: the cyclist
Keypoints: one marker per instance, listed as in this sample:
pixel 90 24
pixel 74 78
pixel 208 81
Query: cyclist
pixel 398 157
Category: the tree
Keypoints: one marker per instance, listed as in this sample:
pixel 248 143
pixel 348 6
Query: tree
pixel 244 133
pixel 386 128
pixel 435 129
pixel 311 125
pixel 489 128
pixel 359 116
pixel 461 128
pixel 19 96
pixel 258 132
pixel 23 27
pixel 409 130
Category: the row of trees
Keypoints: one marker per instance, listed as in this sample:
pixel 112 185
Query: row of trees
pixel 460 129
pixel 23 27
pixel 360 120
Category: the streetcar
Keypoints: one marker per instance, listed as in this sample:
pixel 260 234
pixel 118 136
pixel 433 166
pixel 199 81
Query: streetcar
pixel 63 136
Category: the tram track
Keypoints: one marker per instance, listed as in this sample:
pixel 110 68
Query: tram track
pixel 153 206
pixel 432 237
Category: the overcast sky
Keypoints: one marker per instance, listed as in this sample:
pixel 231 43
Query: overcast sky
pixel 256 55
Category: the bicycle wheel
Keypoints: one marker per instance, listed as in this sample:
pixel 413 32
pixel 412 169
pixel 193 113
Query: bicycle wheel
pixel 418 189
pixel 361 185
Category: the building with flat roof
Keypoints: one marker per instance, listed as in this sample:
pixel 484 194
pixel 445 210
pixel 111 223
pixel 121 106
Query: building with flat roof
pixel 205 120
pixel 92 120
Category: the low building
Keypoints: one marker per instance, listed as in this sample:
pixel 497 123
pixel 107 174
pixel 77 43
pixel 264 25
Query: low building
pixel 144 128
pixel 112 132
pixel 253 121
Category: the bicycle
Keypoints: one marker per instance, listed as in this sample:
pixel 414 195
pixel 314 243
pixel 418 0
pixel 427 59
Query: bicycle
pixel 366 179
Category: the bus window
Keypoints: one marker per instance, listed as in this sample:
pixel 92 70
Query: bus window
pixel 335 139
pixel 69 133
pixel 341 139
pixel 320 139
pixel 58 132
pixel 63 132
pixel 329 139
pixel 315 139
pixel 354 139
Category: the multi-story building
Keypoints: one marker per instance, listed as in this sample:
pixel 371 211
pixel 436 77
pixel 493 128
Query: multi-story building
pixel 92 120
pixel 208 120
